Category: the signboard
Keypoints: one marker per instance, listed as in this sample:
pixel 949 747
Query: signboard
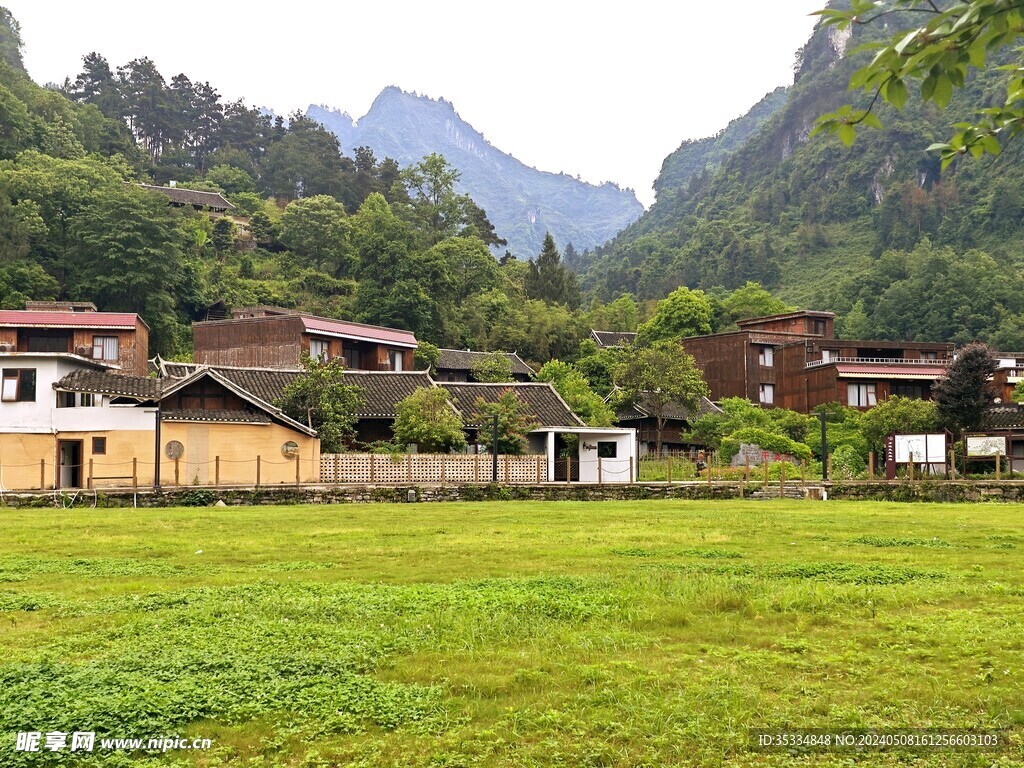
pixel 925 449
pixel 986 445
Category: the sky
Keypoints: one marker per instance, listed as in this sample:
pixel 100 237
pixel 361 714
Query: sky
pixel 597 90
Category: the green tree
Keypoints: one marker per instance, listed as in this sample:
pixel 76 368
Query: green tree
pixel 751 300
pixel 514 423
pixel 938 52
pixel 495 368
pixel 425 357
pixel 897 414
pixel 663 374
pixel 10 40
pixel 315 229
pixel 683 313
pixel 437 210
pixel 962 395
pixel 321 398
pixel 223 235
pixel 427 418
pixel 549 280
pixel 575 390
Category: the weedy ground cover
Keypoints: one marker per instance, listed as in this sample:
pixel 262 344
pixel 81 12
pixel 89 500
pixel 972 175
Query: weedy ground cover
pixel 511 634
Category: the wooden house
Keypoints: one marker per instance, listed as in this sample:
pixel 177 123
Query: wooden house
pixel 460 365
pixel 793 360
pixel 675 432
pixel 210 202
pixel 120 340
pixel 273 337
pixel 607 339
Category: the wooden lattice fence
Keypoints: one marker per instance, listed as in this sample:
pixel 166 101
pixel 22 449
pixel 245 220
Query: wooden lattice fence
pixel 430 468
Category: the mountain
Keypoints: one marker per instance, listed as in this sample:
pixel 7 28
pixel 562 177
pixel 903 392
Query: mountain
pixel 870 231
pixel 693 157
pixel 522 202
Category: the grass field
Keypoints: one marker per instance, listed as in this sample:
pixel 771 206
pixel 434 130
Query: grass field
pixel 511 634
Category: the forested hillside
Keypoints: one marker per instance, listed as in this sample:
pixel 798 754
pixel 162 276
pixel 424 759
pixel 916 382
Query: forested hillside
pixel 874 232
pixel 522 202
pixel 352 237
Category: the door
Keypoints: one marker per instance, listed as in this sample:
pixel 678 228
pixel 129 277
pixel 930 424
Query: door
pixel 69 453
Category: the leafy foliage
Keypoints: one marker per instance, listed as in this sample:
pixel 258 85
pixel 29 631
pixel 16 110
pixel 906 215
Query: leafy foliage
pixel 897 414
pixel 962 394
pixel 683 313
pixel 574 388
pixel 427 418
pixel 495 368
pixel 321 398
pixel 514 423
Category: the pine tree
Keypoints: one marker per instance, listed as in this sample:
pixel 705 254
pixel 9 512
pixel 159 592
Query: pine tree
pixel 549 279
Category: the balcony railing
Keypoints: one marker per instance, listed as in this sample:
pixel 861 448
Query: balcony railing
pixel 876 361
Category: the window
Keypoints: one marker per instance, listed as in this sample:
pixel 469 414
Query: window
pixel 818 327
pixel 607 449
pixel 104 348
pixel 766 394
pixel 319 349
pixel 765 356
pixel 65 399
pixel 829 354
pixel 353 359
pixel 19 385
pixel 929 355
pixel 99 446
pixel 860 395
pixel 86 400
pixel 395 359
pixel 913 391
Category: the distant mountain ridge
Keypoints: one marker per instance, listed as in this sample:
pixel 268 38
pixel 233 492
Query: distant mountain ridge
pixel 523 203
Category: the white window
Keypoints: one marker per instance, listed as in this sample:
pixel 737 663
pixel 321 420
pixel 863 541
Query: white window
pixel 104 348
pixel 829 354
pixel 860 395
pixel 766 356
pixel 395 359
pixel 930 356
pixel 19 385
pixel 766 394
pixel 319 349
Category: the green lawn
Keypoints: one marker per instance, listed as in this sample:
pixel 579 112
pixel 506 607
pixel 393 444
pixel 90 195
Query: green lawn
pixel 511 634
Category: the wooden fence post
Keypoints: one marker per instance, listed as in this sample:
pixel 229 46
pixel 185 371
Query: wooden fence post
pixel 135 473
pixel 999 462
pixel 476 467
pixel 373 473
pixel 89 485
pixel 297 476
pixel 216 470
pixel 408 467
pixel 669 473
pixel 42 474
pixel 506 469
pixel 782 479
pixel 444 463
pixel 538 470
pixel 803 473
pixel 631 475
pixel 599 475
pixel 177 471
pixel 259 462
pixel 871 465
pixel 568 470
pixel 911 468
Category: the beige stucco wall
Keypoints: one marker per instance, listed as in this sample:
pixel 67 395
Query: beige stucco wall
pixel 237 445
pixel 21 454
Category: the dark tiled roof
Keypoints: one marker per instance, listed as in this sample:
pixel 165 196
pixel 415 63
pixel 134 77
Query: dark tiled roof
pixel 543 404
pixel 641 409
pixel 1005 416
pixel 181 196
pixel 381 390
pixel 613 338
pixel 220 415
pixel 101 382
pixel 464 360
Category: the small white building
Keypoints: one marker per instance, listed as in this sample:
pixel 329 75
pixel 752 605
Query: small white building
pixel 603 454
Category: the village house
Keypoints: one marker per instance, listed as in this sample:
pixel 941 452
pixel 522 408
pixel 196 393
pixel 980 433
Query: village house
pixel 179 197
pixel 675 433
pixel 461 364
pixel 120 340
pixel 793 360
pixel 274 337
pixel 70 422
pixel 611 339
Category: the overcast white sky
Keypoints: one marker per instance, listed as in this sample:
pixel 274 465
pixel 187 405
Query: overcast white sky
pixel 600 90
